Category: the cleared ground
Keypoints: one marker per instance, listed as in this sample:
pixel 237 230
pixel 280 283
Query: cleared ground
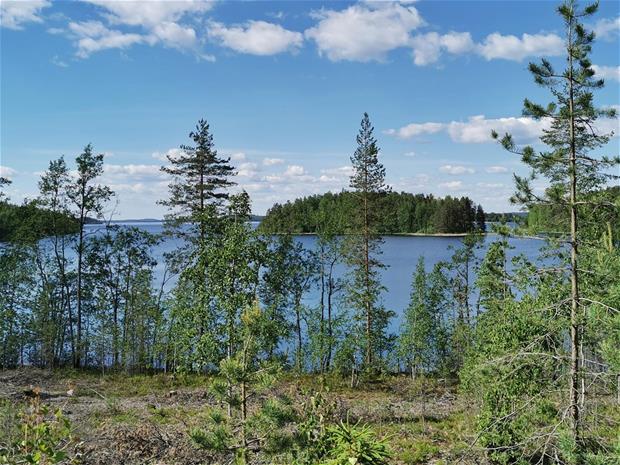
pixel 144 419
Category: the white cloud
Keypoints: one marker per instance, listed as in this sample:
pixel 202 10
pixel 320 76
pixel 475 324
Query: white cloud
pixel 174 153
pixel 409 154
pixel 295 170
pixel 174 35
pixel 496 169
pixel 415 129
pixel 150 13
pixel 94 36
pixel 427 48
pixel 14 13
pixel 256 37
pixel 247 170
pixel 7 172
pixel 272 161
pixel 158 22
pixel 477 129
pixel 511 47
pixel 132 170
pixel 365 31
pixel 490 185
pixel 451 185
pixel 607 28
pixel 238 156
pixel 607 72
pixel 456 169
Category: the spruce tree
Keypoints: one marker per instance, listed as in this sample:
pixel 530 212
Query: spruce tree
pixel 368 183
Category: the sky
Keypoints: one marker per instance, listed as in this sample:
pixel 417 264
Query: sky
pixel 284 86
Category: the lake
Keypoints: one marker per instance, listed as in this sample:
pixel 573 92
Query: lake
pixel 400 254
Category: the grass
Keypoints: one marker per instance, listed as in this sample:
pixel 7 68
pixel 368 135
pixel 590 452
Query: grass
pixel 105 406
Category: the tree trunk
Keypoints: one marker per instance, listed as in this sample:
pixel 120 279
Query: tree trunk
pixel 575 328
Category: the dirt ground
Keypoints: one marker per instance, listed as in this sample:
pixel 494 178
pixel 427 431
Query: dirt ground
pixel 141 419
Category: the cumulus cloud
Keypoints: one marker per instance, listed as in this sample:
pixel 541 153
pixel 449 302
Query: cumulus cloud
pixel 496 169
pixel 510 47
pixel 364 31
pixel 149 13
pixel 607 72
pixel 14 13
pixel 247 170
pixel 477 129
pixel 607 28
pixel 173 153
pixel 133 170
pixel 451 185
pixel 256 37
pixel 150 23
pixel 238 156
pixel 456 169
pixel 7 172
pixel 427 48
pixel 272 161
pixel 94 36
pixel 415 129
pixel 295 170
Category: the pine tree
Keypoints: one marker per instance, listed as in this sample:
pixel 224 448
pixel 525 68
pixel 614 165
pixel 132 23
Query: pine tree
pixel 573 171
pixel 200 180
pixel 368 182
pixel 198 210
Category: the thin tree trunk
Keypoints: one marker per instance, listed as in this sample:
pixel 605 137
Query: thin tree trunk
pixel 575 328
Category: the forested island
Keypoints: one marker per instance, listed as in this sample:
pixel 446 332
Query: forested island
pixel 401 213
pixel 240 346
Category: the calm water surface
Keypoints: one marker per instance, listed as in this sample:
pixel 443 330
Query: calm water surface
pixel 400 254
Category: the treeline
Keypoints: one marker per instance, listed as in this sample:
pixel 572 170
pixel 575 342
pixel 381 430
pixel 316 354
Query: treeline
pixel 403 213
pixel 552 218
pixel 31 221
pixel 511 217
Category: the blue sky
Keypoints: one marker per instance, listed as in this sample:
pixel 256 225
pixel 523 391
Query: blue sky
pixel 284 86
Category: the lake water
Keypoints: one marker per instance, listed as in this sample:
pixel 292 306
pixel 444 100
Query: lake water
pixel 400 254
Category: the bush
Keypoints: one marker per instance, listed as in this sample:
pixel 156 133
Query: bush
pixel 44 438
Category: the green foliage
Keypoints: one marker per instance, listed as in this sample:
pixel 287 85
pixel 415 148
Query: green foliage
pixel 45 438
pixel 354 445
pixel 417 339
pixel 250 422
pixel 29 222
pixel 363 249
pixel 402 213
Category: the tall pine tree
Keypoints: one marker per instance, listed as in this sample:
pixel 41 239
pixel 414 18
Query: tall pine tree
pixel 575 172
pixel 368 182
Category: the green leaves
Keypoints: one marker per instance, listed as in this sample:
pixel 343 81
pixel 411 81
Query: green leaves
pixel 45 438
pixel 354 445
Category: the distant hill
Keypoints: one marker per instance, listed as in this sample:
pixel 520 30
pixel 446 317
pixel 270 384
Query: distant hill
pixel 401 213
